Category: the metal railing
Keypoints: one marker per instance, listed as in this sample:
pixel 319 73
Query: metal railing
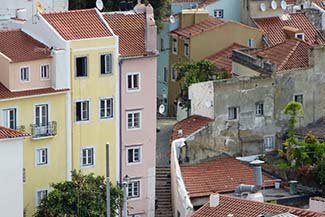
pixel 50 129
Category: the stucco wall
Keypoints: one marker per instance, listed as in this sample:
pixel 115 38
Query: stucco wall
pixel 231 9
pixel 4 75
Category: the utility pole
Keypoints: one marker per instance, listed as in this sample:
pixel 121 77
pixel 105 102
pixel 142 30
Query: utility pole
pixel 108 192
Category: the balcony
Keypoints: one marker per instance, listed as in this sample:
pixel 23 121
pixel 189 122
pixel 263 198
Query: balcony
pixel 48 130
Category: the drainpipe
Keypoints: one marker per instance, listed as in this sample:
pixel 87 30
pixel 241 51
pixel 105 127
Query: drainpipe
pixel 68 136
pixel 120 119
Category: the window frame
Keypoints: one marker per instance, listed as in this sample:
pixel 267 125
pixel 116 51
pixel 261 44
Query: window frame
pixel 175 45
pixel 6 110
pixel 186 49
pixel 133 195
pixel 28 73
pixel 298 95
pixel 259 109
pixel 105 108
pixel 173 74
pixel 217 12
pixel 37 199
pixel 88 165
pixel 134 147
pixel 82 120
pixel 40 118
pixel 266 147
pixel 251 43
pixel 127 120
pixel 133 74
pixel 76 66
pixel 105 66
pixel 48 72
pixel 236 113
pixel 38 163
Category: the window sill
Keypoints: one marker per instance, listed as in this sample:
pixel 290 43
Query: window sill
pixel 134 164
pixel 82 122
pixel 133 198
pixel 106 119
pixel 133 129
pixel 43 137
pixel 87 166
pixel 133 90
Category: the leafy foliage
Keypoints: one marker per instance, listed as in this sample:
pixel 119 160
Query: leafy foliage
pixel 319 172
pixel 84 195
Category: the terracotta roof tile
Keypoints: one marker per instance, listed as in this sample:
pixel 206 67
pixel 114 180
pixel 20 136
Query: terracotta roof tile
pixel 203 26
pixel 189 126
pixel 6 133
pixel 272 27
pixel 319 3
pixel 240 207
pixel 131 29
pixel 287 55
pixel 222 58
pixel 219 175
pixel 6 94
pixel 78 24
pixel 206 2
pixel 20 47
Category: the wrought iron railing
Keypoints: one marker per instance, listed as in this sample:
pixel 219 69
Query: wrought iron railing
pixel 49 129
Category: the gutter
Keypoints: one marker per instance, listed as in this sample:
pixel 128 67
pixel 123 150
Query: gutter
pixel 139 57
pixel 120 119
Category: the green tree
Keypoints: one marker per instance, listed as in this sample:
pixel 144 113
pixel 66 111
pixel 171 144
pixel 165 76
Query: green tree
pixel 320 175
pixel 83 196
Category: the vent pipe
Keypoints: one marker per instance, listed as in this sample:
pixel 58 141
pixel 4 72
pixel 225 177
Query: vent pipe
pixel 258 173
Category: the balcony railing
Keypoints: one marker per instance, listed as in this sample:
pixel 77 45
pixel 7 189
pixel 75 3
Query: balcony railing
pixel 44 131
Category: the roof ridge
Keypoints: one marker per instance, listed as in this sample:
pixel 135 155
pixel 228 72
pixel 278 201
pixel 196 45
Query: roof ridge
pixel 291 52
pixel 69 11
pixel 11 30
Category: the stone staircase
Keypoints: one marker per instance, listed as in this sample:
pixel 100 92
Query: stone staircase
pixel 163 193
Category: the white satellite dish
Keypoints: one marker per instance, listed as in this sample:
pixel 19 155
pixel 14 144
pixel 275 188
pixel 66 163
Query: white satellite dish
pixel 283 5
pixel 262 7
pixel 274 6
pixel 162 109
pixel 99 5
pixel 171 19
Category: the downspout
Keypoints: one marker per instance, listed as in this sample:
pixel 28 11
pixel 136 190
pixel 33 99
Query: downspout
pixel 120 119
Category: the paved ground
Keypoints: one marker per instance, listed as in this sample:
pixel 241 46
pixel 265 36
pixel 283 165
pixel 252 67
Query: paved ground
pixel 165 127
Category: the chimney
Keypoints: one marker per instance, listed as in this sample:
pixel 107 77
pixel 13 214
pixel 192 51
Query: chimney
pixel 214 200
pixel 151 30
pixel 258 173
pixel 293 33
pixel 139 8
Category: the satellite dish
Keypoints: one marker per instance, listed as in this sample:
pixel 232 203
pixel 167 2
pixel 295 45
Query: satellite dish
pixel 39 7
pixel 274 5
pixel 99 5
pixel 172 19
pixel 262 7
pixel 162 109
pixel 283 5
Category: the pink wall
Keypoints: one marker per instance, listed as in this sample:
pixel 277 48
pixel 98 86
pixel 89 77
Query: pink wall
pixel 35 81
pixel 145 100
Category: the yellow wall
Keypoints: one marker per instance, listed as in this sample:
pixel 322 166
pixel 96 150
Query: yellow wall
pixel 39 177
pixel 94 132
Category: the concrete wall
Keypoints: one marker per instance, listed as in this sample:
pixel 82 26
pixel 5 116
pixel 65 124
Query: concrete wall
pixel 11 177
pixel 144 100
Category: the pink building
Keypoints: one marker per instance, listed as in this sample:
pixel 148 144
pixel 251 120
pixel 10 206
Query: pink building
pixel 138 64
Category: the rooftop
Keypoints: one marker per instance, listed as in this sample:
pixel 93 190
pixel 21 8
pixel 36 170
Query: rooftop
pixel 78 24
pixel 222 58
pixel 20 47
pixel 319 3
pixel 188 126
pixel 317 129
pixel 7 94
pixel 273 28
pixel 7 133
pixel 243 208
pixel 131 31
pixel 220 175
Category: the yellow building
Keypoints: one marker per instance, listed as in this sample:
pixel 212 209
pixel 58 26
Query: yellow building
pixel 29 102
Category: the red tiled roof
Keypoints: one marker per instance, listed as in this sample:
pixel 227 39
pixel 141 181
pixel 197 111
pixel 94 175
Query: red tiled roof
pixel 6 133
pixel 240 207
pixel 203 26
pixel 287 55
pixel 131 29
pixel 189 126
pixel 20 47
pixel 319 3
pixel 206 3
pixel 272 27
pixel 222 58
pixel 6 94
pixel 219 175
pixel 78 24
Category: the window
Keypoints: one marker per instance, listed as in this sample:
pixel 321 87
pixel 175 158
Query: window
pixel 41 156
pixel 82 110
pixel 186 50
pixel 45 71
pixel 106 108
pixel 233 113
pixel 133 81
pixel 174 46
pixel 259 109
pixel 162 44
pixel 9 118
pixel 87 156
pixel 251 43
pixel 218 13
pixel 106 64
pixel 41 115
pixel 134 189
pixel 299 98
pixel 174 74
pixel 300 36
pixel 134 119
pixel 81 66
pixel 24 73
pixel 269 143
pixel 39 196
pixel 165 74
pixel 134 154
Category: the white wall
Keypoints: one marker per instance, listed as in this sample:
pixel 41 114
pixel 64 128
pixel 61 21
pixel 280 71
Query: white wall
pixel 11 178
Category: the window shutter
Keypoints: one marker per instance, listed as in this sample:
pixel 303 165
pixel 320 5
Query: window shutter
pixel 102 64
